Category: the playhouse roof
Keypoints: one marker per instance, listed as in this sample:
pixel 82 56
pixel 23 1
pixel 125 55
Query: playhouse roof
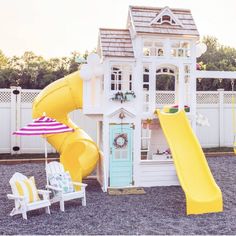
pixel 143 21
pixel 115 43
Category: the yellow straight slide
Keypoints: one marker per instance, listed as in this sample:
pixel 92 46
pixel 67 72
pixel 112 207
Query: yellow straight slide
pixel 78 153
pixel 202 193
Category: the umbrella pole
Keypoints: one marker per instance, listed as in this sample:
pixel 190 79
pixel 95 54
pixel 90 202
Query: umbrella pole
pixel 46 157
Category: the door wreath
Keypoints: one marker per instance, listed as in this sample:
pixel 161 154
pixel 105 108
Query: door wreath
pixel 120 141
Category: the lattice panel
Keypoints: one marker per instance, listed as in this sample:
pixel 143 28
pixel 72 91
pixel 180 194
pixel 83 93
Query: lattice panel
pixel 228 97
pixel 28 97
pixel 165 98
pixel 5 96
pixel 208 98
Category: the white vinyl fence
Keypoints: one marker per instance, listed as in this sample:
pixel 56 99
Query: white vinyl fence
pixel 217 107
pixel 16 112
pixel 16 109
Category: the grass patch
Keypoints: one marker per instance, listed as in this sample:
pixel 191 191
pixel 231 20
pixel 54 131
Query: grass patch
pixel 218 149
pixel 7 156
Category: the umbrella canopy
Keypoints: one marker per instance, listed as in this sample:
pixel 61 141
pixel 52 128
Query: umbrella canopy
pixel 43 126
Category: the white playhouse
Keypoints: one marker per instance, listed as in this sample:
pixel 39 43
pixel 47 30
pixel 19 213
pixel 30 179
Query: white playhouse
pixel 155 53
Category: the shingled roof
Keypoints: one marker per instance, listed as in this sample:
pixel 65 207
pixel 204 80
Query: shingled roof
pixel 116 43
pixel 142 18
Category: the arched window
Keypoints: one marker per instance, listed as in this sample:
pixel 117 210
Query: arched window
pixel 165 19
pixel 165 79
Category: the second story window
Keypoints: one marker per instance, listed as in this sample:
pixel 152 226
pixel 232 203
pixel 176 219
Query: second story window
pixel 146 78
pixel 180 49
pixel 116 78
pixel 152 48
pixel 146 84
pixel 121 78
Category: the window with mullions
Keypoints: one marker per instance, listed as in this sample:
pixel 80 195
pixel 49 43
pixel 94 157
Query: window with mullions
pixel 153 49
pixel 145 140
pixel 121 78
pixel 180 49
pixel 130 82
pixel 146 84
pixel 146 78
pixel 116 78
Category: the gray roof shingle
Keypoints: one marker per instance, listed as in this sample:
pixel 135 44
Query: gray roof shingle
pixel 116 43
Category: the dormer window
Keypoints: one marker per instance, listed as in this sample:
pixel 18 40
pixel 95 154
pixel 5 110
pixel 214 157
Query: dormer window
pixel 166 19
pixel 166 16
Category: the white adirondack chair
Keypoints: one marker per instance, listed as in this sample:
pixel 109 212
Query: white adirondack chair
pixel 55 167
pixel 21 205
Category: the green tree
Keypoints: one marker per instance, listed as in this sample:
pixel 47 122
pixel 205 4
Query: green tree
pixel 217 58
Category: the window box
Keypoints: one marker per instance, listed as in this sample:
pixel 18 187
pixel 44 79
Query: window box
pixel 123 97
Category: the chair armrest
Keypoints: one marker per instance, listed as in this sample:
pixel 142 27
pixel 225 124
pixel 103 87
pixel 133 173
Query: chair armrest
pixel 54 188
pixel 45 193
pixel 14 197
pixel 42 191
pixel 79 184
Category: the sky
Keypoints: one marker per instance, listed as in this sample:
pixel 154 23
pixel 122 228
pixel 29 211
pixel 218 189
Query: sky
pixel 53 28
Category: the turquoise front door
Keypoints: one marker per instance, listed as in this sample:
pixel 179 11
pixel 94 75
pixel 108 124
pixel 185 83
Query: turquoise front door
pixel 121 159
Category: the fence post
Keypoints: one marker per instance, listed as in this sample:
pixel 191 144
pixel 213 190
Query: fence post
pixel 221 117
pixel 15 118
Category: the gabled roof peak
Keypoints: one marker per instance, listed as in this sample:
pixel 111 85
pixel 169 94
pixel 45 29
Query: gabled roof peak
pixel 161 21
pixel 166 16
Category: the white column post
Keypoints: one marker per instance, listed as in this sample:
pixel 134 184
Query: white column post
pixel 193 86
pixel 181 91
pixel 221 117
pixel 106 148
pixel 152 87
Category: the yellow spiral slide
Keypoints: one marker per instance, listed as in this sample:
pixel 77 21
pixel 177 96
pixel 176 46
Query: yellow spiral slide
pixel 78 153
pixel 202 193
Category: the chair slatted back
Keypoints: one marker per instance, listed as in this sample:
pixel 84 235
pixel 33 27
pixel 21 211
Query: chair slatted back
pixel 54 167
pixel 16 177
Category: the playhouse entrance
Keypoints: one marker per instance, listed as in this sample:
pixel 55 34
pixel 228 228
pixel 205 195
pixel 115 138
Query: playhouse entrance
pixel 121 160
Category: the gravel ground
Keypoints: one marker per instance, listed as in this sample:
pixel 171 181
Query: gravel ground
pixel 160 211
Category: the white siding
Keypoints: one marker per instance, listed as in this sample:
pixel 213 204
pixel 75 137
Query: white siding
pixel 156 173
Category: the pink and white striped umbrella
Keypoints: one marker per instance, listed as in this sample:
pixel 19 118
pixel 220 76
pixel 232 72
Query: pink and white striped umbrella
pixel 43 126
